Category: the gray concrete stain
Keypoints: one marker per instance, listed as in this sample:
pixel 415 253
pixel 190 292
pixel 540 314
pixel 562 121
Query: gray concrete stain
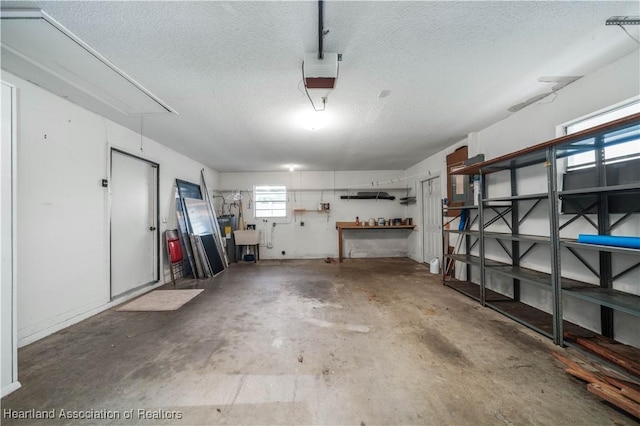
pixel 444 349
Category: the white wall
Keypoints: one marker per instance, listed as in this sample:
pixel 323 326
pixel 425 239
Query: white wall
pixel 537 123
pixel 63 227
pixel 436 165
pixel 318 237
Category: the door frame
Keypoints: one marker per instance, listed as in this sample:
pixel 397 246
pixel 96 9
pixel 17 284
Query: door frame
pixel 422 184
pixel 15 383
pixel 157 218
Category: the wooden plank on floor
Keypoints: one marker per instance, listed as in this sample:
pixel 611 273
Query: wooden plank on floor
pixel 622 384
pixel 628 364
pixel 609 394
pixel 608 372
pixel 625 356
pixel 578 370
pixel 631 394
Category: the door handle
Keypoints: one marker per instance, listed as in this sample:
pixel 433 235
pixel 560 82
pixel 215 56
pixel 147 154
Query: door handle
pixel 152 228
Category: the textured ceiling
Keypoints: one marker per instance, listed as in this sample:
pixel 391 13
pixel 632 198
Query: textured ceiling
pixel 233 71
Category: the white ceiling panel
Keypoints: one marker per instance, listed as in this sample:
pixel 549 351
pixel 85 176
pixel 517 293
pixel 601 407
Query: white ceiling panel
pixel 36 47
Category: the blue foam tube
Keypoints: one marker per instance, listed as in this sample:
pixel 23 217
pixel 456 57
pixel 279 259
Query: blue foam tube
pixel 463 220
pixel 609 240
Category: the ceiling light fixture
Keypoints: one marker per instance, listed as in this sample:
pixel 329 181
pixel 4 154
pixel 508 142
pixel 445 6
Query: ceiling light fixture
pixel 291 167
pixel 312 120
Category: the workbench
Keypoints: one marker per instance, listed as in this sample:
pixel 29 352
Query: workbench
pixel 340 226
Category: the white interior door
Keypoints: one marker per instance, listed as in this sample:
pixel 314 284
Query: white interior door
pixel 9 372
pixel 134 233
pixel 431 216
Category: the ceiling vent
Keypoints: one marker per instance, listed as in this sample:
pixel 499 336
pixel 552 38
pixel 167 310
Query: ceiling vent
pixel 320 73
pixel 37 48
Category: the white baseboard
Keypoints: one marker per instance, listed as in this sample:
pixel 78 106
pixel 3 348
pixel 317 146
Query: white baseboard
pixel 10 388
pixel 25 340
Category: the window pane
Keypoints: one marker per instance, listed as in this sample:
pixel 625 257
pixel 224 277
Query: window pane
pixel 269 205
pixel 270 201
pixel 582 160
pixel 627 147
pixel 622 151
pixel 629 150
pixel 271 197
pixel 603 118
pixel 271 188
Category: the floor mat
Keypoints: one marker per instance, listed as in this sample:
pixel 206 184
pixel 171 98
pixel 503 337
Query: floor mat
pixel 161 300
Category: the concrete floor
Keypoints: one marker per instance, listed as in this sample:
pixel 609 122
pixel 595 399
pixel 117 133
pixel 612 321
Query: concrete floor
pixel 376 341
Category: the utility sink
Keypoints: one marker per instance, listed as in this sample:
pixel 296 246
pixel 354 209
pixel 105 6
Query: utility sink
pixel 249 237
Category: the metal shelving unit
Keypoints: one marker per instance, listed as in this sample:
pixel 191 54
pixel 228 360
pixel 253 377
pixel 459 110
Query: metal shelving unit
pixel 512 212
pixel 508 213
pixel 466 237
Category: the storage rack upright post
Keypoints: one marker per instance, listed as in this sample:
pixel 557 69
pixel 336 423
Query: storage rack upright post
pixel 512 210
pixel 465 237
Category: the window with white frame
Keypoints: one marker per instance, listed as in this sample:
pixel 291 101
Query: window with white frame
pixel 615 153
pixel 270 201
